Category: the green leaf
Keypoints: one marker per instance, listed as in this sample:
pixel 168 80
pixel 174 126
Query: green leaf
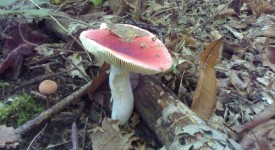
pixel 37 12
pixel 96 2
pixel 40 2
pixel 4 3
pixel 31 12
pixel 57 1
pixel 2 106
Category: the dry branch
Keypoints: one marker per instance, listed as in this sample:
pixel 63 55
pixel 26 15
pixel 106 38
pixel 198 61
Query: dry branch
pixel 52 111
pixel 175 125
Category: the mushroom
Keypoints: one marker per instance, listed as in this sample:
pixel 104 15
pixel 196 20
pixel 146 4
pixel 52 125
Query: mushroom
pixel 47 87
pixel 128 49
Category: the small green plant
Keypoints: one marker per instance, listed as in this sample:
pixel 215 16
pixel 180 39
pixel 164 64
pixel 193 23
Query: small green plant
pixel 57 1
pixel 96 2
pixel 4 84
pixel 22 109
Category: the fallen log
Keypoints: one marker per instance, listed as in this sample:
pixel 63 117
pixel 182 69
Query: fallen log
pixel 174 124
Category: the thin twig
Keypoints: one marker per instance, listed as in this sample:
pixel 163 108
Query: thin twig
pixel 56 145
pixel 43 65
pixel 53 110
pixel 74 137
pixel 85 133
pixel 61 5
pixel 62 27
pixel 211 18
pixel 20 32
pixel 181 43
pixel 34 80
pixel 37 136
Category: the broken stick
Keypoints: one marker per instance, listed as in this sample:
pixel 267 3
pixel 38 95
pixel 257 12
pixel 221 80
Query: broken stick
pixel 74 97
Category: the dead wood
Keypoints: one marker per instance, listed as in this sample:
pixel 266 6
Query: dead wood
pixel 175 125
pixel 74 97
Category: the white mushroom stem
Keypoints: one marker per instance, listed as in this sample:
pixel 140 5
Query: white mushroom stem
pixel 122 94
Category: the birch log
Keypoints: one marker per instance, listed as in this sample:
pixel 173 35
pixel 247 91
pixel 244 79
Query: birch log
pixel 174 124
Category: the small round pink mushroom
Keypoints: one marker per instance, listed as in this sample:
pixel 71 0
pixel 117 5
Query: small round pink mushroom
pixel 128 49
pixel 47 87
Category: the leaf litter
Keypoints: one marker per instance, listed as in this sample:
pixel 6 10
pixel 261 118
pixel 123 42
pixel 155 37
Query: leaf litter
pixel 244 70
pixel 109 136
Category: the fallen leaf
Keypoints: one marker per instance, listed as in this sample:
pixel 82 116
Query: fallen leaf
pixel 126 33
pixel 266 31
pixel 237 82
pixel 237 34
pixel 18 49
pixel 260 7
pixel 236 5
pixel 204 99
pixel 269 58
pixel 161 2
pixel 99 79
pixel 262 133
pixel 203 137
pixel 118 6
pixel 271 55
pixel 7 137
pixel 135 120
pixel 111 138
pixel 237 24
pixel 139 7
pixel 210 55
pixel 13 64
pixel 264 116
pixel 228 12
pixel 27 33
pixel 76 59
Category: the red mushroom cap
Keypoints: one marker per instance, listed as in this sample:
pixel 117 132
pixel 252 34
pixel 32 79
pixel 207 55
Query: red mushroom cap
pixel 128 47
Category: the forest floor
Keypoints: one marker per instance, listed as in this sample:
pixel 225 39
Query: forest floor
pixel 40 40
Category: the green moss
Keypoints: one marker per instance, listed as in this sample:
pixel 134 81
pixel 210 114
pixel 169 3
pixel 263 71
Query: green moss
pixel 4 84
pixel 22 109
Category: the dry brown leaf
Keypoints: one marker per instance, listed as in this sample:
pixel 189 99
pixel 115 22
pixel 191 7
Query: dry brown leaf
pixel 204 99
pixel 99 79
pixel 269 57
pixel 237 24
pixel 210 55
pixel 237 82
pixel 111 138
pixel 260 7
pixel 118 7
pixel 236 5
pixel 8 137
pixel 234 8
pixel 139 7
pixel 260 138
pixel 135 120
pixel 228 12
pixel 264 116
pixel 267 31
pixel 191 42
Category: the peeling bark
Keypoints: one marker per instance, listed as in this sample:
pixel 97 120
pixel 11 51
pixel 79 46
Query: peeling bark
pixel 175 125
